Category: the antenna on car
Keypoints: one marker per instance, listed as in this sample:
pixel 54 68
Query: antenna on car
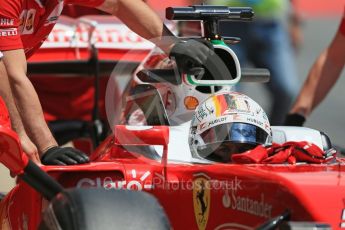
pixel 97 126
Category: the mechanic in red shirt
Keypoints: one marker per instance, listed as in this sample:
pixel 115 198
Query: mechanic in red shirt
pixel 24 25
pixel 321 78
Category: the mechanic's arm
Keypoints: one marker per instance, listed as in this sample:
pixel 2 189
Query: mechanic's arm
pixel 31 115
pixel 140 18
pixel 322 76
pixel 27 101
pixel 5 92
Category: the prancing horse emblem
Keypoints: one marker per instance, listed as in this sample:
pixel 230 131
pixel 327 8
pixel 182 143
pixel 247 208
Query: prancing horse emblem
pixel 201 200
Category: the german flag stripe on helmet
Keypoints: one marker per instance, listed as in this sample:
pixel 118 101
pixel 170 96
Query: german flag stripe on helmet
pixel 221 103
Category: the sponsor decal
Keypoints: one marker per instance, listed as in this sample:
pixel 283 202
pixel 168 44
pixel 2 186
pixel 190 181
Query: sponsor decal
pixel 191 102
pixel 201 200
pixel 8 32
pixel 99 183
pixel 253 206
pixel 221 120
pixel 255 121
pixel 134 183
pixel 217 121
pixel 115 36
pixel 6 22
pixel 204 126
pixel 138 183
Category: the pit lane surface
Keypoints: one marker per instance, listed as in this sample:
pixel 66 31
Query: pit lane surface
pixel 329 116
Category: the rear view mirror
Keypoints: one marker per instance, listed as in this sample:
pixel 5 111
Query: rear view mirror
pixel 141 135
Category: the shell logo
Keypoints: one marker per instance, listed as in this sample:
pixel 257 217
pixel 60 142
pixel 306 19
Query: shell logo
pixel 191 102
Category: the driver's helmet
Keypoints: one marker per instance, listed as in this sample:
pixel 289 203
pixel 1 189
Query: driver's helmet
pixel 226 124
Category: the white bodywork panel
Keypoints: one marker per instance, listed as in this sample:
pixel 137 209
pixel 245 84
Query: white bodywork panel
pixel 282 134
pixel 178 149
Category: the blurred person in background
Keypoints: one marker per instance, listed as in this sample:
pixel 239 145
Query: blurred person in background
pixel 322 76
pixel 268 42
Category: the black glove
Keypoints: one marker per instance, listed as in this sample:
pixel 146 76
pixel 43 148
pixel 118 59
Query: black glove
pixel 191 54
pixel 294 119
pixel 64 156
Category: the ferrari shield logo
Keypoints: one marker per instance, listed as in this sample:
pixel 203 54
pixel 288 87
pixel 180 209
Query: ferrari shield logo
pixel 201 200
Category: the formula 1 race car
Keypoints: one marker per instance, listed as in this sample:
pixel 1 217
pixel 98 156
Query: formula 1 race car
pixel 149 151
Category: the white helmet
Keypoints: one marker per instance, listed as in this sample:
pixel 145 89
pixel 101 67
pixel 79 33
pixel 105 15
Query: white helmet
pixel 228 123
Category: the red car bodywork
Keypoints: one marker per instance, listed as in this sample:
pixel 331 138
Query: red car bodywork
pixel 198 196
pixel 194 195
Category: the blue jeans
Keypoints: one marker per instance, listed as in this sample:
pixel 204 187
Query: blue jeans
pixel 266 44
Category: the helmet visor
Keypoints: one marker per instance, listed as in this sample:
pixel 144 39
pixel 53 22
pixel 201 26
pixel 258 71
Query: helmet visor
pixel 220 142
pixel 235 132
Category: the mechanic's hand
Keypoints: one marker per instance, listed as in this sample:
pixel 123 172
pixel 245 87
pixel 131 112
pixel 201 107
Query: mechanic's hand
pixel 64 156
pixel 191 54
pixel 29 149
pixel 294 119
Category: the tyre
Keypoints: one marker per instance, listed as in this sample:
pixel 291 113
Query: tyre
pixel 86 209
